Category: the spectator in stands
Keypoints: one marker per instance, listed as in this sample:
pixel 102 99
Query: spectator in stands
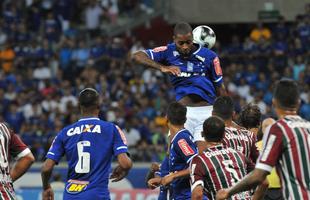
pixel 260 31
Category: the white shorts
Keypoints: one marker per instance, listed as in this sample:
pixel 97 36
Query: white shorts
pixel 195 118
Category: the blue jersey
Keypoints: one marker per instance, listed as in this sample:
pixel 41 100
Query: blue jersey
pixel 182 151
pixel 200 72
pixel 89 146
pixel 163 171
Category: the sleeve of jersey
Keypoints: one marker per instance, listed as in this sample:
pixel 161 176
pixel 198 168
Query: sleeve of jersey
pixel 197 172
pixel 157 54
pixel 17 148
pixel 119 141
pixel 216 71
pixel 272 149
pixel 186 148
pixel 56 150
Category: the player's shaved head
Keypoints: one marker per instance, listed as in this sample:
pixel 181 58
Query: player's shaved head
pixel 89 98
pixel 182 28
pixel 286 94
pixel 223 107
pixel 213 129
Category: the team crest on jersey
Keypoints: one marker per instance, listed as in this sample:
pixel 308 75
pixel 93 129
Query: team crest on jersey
pixel 159 49
pixel 75 186
pixel 186 149
pixel 217 66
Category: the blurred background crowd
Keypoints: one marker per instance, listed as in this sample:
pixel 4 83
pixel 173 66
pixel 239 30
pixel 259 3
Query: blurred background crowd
pixel 51 49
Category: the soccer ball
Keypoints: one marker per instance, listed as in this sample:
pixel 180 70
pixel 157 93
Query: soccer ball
pixel 204 36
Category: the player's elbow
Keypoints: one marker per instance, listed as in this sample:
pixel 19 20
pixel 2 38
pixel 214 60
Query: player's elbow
pixel 126 164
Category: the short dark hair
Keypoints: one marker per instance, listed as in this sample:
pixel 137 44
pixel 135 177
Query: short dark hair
pixel 88 98
pixel 176 113
pixel 286 93
pixel 182 28
pixel 223 107
pixel 213 129
pixel 250 116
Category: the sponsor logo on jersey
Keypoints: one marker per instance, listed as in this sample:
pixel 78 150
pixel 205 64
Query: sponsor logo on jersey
pixel 75 186
pixel 186 149
pixel 217 66
pixel 85 128
pixel 159 49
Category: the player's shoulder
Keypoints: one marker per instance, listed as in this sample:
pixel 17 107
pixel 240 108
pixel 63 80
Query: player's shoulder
pixel 203 51
pixel 183 134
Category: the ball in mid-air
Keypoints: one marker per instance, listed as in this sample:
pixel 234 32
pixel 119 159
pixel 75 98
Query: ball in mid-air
pixel 204 35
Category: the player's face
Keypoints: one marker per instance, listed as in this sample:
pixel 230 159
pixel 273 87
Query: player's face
pixel 184 43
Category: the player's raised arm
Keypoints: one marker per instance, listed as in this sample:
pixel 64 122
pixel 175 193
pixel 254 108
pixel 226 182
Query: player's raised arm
pixel 142 57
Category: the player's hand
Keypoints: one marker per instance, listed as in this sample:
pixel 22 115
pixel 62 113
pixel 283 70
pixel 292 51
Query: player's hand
pixel 222 194
pixel 118 174
pixel 167 179
pixel 174 70
pixel 154 183
pixel 155 167
pixel 48 194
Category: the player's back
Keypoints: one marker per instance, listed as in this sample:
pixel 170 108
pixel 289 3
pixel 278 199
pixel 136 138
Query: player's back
pixel 89 146
pixel 241 140
pixel 294 163
pixel 221 167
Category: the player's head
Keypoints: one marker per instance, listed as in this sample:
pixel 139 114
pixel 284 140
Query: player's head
pixel 286 95
pixel 250 116
pixel 89 100
pixel 183 38
pixel 176 114
pixel 213 129
pixel 223 107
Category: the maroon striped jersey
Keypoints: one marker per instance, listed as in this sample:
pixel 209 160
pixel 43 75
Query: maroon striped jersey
pixel 11 146
pixel 287 147
pixel 241 140
pixel 220 167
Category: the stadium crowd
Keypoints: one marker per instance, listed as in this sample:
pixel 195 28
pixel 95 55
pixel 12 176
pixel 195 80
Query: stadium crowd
pixel 43 70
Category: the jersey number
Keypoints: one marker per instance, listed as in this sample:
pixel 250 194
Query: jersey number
pixel 83 164
pixel 3 154
pixel 229 167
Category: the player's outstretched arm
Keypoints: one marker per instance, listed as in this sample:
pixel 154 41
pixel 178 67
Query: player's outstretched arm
pixel 46 173
pixel 253 179
pixel 176 175
pixel 142 58
pixel 124 165
pixel 21 166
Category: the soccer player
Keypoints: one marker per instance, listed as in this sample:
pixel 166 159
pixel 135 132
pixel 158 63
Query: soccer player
pixel 12 147
pixel 89 145
pixel 218 166
pixel 195 74
pixel 250 118
pixel 285 146
pixel 182 150
pixel 235 137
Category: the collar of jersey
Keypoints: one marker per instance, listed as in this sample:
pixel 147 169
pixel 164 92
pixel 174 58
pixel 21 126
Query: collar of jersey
pixel 89 118
pixel 197 50
pixel 177 134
